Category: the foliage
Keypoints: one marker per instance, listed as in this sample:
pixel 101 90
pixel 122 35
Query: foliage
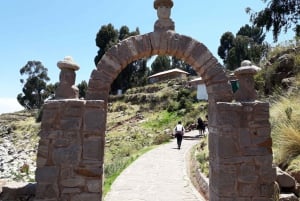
pixel 136 73
pixel 282 62
pixel 202 156
pixel 294 165
pixel 180 64
pixel 51 88
pixel 35 86
pixel 161 63
pixel 285 121
pixel 183 103
pixel 246 45
pixel 162 120
pixel 82 87
pixel 106 38
pixel 279 15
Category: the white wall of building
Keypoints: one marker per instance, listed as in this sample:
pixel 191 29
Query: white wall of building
pixel 201 92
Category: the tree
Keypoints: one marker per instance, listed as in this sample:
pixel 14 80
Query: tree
pixel 178 63
pixel 226 43
pixel 161 63
pixel 248 44
pixel 50 90
pixel 279 15
pixel 35 86
pixel 105 39
pixel 82 87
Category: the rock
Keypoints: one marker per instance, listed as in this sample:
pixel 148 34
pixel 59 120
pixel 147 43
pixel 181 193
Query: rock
pixel 286 63
pixel 288 197
pixel 18 191
pixel 285 181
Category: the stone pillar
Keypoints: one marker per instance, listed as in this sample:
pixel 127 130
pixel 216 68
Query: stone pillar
pixel 71 150
pixel 164 23
pixel 66 88
pixel 240 146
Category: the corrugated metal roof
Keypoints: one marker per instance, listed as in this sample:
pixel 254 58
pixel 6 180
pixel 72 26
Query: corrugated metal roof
pixel 168 71
pixel 198 80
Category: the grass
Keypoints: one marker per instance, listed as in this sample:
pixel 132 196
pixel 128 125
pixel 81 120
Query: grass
pixel 202 156
pixel 162 120
pixel 285 121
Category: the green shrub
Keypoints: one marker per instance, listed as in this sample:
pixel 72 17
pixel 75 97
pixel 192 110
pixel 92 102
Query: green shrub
pixel 161 138
pixel 172 106
pixel 202 156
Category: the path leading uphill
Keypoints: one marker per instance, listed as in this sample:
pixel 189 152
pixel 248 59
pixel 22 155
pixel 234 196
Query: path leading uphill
pixel 158 175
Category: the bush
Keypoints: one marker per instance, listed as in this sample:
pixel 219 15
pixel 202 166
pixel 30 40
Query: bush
pixel 202 156
pixel 285 122
pixel 289 142
pixel 161 138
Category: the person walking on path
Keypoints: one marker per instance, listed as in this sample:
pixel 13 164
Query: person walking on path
pixel 201 126
pixel 158 175
pixel 179 132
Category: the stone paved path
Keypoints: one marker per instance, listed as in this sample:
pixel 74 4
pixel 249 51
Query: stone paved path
pixel 158 175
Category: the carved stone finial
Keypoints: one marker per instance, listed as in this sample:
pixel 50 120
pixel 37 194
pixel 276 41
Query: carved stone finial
pixel 163 3
pixel 66 88
pixel 68 62
pixel 245 75
pixel 164 23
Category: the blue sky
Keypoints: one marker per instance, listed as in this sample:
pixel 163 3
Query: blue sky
pixel 48 31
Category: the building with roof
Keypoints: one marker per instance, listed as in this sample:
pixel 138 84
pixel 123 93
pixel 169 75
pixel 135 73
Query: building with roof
pixel 167 75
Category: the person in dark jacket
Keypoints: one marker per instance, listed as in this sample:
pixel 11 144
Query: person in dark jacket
pixel 200 126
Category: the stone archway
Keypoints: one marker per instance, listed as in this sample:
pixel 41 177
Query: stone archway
pixel 162 43
pixel 71 149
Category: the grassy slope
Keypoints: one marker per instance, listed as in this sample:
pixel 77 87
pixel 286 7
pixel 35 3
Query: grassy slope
pixel 285 121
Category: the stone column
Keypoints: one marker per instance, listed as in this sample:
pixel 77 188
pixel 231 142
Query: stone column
pixel 240 146
pixel 71 150
pixel 66 88
pixel 164 23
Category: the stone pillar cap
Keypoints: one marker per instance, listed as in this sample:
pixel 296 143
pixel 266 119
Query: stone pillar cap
pixel 247 68
pixel 166 3
pixel 69 63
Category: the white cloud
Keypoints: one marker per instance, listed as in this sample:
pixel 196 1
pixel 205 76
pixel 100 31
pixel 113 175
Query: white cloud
pixel 9 105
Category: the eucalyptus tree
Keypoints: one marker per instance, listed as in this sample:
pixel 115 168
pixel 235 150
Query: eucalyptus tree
pixel 279 15
pixel 34 91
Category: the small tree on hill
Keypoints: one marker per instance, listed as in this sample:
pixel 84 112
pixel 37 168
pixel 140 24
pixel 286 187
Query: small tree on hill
pixel 35 86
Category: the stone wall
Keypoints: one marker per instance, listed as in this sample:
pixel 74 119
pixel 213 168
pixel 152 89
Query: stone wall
pixel 70 152
pixel 240 152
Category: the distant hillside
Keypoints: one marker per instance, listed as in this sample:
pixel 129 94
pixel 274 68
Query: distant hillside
pixel 19 140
